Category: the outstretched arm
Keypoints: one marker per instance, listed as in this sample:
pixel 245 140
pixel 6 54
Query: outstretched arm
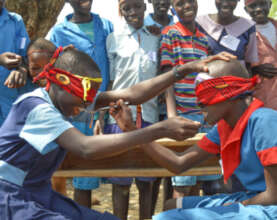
pixel 162 155
pixel 148 89
pixel 101 146
pixel 172 161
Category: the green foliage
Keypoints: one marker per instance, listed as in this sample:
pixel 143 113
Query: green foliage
pixel 273 11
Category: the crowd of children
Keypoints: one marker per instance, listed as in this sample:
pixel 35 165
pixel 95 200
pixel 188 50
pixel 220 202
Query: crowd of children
pixel 47 88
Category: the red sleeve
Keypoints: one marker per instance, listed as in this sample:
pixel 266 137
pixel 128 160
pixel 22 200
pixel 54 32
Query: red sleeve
pixel 207 145
pixel 268 156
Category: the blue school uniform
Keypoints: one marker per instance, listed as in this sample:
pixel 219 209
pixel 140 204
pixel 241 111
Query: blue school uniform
pixel 28 157
pixel 14 38
pixel 258 149
pixel 237 38
pixel 92 42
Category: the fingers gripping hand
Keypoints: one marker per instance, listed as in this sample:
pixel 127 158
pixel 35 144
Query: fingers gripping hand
pixel 123 115
pixel 225 56
pixel 97 130
pixel 17 78
pixel 180 128
pixel 10 60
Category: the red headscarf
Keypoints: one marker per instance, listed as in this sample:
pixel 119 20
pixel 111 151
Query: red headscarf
pixel 219 89
pixel 79 86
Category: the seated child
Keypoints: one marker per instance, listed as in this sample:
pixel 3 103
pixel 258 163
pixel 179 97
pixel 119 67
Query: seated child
pixel 88 32
pixel 39 53
pixel 242 135
pixel 36 134
pixel 266 30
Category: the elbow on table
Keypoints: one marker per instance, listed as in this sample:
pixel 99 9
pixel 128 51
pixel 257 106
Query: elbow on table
pixel 176 169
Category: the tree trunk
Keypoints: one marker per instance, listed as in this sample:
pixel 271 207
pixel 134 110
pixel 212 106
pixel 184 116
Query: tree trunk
pixel 39 15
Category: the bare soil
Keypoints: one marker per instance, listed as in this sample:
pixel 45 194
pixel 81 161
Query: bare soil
pixel 104 195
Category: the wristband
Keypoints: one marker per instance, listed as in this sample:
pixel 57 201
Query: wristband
pixel 176 73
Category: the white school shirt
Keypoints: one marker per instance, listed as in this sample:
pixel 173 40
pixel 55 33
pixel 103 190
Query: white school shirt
pixel 133 58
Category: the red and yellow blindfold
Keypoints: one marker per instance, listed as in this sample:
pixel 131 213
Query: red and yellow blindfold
pixel 215 90
pixel 79 86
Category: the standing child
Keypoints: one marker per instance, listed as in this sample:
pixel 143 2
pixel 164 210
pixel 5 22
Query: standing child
pixel 182 43
pixel 227 32
pixel 160 17
pixel 132 56
pixel 266 30
pixel 14 39
pixel 86 32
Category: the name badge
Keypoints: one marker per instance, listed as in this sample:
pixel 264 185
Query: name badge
pixel 230 42
pixel 23 43
pixel 152 55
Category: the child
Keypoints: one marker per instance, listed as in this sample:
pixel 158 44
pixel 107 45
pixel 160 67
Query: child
pixel 242 136
pixel 227 32
pixel 14 39
pixel 36 134
pixel 160 17
pixel 266 30
pixel 182 43
pixel 39 53
pixel 132 54
pixel 88 33
pixel 268 84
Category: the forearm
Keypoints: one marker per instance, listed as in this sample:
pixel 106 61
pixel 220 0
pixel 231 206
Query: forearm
pixel 102 146
pixel 263 198
pixel 2 60
pixel 170 102
pixel 171 160
pixel 147 89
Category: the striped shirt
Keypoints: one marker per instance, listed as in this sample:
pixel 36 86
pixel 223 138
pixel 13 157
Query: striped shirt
pixel 179 46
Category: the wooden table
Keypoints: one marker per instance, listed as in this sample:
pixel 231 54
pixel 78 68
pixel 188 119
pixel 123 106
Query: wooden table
pixel 134 163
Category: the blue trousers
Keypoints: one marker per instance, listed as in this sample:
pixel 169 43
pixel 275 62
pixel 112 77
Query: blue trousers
pixel 212 208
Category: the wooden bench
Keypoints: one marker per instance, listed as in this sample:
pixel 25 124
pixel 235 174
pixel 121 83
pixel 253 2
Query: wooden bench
pixel 134 163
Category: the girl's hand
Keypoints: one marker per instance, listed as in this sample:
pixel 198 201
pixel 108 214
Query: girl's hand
pixel 180 128
pixel 97 130
pixel 153 29
pixel 123 115
pixel 201 65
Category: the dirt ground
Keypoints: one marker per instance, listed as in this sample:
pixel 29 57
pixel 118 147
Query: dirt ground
pixel 104 195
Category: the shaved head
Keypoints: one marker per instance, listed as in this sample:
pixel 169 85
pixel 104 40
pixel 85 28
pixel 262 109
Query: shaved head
pixel 220 68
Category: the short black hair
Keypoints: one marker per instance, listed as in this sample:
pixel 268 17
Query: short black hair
pixel 42 44
pixel 77 62
pixel 220 68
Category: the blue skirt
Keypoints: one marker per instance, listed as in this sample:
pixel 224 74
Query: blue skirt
pixel 42 203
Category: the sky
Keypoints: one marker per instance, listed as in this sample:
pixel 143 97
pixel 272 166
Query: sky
pixel 110 11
